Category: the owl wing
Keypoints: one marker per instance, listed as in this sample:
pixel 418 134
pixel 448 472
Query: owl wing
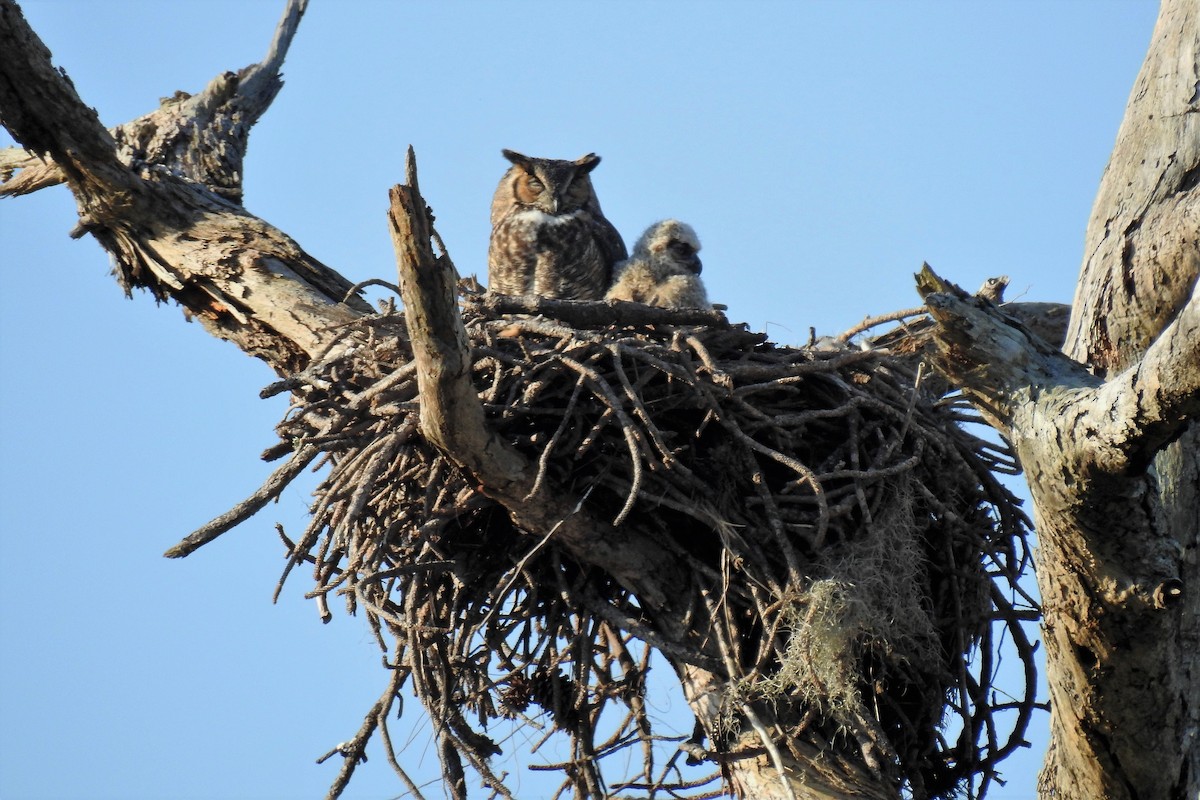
pixel 512 256
pixel 612 246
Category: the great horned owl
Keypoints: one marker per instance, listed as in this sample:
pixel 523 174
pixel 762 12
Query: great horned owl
pixel 549 237
pixel 664 269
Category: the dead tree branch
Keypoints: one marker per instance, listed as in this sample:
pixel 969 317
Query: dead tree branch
pixel 168 213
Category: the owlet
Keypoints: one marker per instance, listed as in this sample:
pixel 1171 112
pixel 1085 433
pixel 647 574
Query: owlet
pixel 664 269
pixel 549 237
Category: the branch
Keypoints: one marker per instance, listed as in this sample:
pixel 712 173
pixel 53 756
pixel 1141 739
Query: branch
pixel 30 87
pixel 1144 231
pixel 167 209
pixel 279 480
pixel 1047 321
pixel 1114 427
pixel 1148 405
pixel 990 355
pixel 262 81
pixel 201 137
pixel 595 313
pixel 32 172
pixel 452 418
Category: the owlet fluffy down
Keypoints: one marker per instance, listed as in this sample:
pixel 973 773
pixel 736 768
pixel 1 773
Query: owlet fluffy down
pixel 664 269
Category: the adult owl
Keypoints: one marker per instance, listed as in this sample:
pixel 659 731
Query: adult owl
pixel 549 237
pixel 664 269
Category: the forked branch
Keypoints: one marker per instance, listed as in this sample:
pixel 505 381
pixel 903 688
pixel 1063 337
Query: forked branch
pixel 168 211
pixel 1112 427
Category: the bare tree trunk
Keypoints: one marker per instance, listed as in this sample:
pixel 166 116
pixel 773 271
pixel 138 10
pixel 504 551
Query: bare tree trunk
pixel 790 770
pixel 1112 453
pixel 1123 646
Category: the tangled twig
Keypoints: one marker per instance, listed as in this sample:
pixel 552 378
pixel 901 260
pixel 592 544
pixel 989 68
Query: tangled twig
pixel 846 534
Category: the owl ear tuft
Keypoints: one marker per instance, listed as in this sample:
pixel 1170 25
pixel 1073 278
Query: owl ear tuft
pixel 587 163
pixel 515 157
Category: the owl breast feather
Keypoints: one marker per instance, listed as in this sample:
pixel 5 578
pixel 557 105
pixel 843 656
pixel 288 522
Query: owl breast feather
pixel 551 256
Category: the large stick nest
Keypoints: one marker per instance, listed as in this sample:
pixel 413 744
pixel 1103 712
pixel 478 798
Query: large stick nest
pixel 854 556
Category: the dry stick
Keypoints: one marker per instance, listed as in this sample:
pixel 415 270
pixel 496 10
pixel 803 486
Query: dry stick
pixel 875 473
pixel 585 731
pixel 772 375
pixel 389 750
pixel 1024 708
pixel 281 477
pixel 747 712
pixel 593 434
pixel 354 750
pixel 637 703
pixel 544 459
pixel 594 313
pixel 871 322
pixel 274 485
pixel 627 428
pixel 677 371
pixel 374 468
pixel 656 435
pixel 769 743
pixel 520 565
pixel 806 475
pixel 789 552
pixel 614 616
pixel 371 282
pixel 706 358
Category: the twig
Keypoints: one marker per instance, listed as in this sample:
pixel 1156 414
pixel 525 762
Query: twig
pixel 594 313
pixel 248 507
pixel 871 322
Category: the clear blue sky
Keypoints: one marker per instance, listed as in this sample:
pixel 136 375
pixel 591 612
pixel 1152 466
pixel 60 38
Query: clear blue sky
pixel 822 150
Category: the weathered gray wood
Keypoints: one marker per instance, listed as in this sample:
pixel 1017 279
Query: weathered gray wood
pixel 176 227
pixel 1107 436
pixel 1140 252
pixel 1127 723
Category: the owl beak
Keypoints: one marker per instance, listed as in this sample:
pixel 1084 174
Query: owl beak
pixel 555 204
pixel 695 265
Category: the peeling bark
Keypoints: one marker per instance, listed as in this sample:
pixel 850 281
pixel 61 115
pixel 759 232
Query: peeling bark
pixel 163 197
pixel 1107 436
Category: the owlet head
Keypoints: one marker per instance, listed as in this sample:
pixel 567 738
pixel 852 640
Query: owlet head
pixel 551 185
pixel 671 243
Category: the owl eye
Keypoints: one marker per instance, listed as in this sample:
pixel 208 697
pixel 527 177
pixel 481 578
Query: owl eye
pixel 682 248
pixel 534 184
